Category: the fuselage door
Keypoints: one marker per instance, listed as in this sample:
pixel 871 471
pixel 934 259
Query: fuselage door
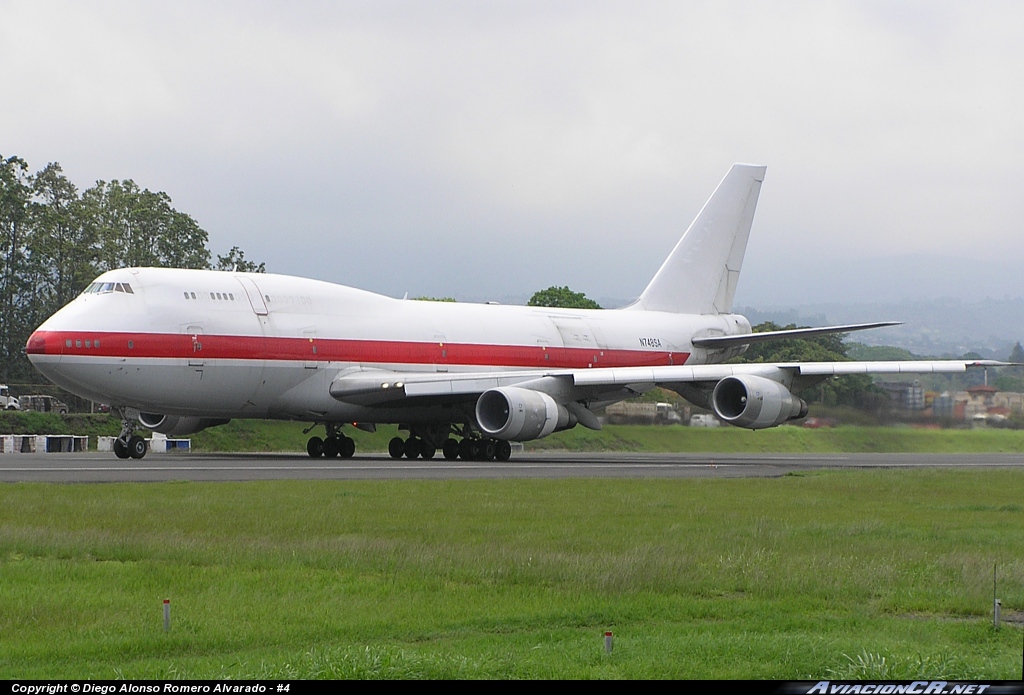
pixel 442 352
pixel 195 357
pixel 310 348
pixel 254 294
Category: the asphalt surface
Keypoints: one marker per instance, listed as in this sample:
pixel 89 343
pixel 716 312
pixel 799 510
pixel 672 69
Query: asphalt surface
pixel 104 467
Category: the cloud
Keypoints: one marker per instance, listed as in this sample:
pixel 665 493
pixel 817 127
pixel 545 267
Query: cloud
pixel 496 148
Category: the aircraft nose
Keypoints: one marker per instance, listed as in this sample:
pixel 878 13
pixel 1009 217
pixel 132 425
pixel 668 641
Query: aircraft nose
pixel 38 344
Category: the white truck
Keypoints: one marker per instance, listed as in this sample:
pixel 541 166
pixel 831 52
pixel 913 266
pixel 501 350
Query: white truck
pixel 7 402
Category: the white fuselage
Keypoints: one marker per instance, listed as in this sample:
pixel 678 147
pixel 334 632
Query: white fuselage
pixel 221 344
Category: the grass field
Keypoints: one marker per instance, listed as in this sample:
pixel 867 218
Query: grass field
pixel 840 574
pixel 271 435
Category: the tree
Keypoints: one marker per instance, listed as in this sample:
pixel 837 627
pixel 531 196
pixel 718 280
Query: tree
pixel 15 195
pixel 137 227
pixel 61 245
pixel 562 297
pixel 1017 354
pixel 235 260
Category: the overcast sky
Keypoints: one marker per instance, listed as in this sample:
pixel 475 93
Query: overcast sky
pixel 490 149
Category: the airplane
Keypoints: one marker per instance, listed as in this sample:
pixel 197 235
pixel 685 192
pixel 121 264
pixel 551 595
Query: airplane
pixel 176 351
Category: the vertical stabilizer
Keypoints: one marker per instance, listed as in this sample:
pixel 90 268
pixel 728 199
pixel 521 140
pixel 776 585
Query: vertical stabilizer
pixel 700 275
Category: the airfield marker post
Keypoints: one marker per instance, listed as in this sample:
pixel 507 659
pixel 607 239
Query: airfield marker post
pixel 608 643
pixel 167 615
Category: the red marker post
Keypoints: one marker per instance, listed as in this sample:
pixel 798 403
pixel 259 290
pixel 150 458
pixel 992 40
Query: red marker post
pixel 607 643
pixel 167 615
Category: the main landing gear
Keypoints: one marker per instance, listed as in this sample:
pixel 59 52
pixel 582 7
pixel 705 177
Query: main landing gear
pixel 128 444
pixel 336 443
pixel 423 443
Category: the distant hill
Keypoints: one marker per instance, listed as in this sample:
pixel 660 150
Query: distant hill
pixel 939 327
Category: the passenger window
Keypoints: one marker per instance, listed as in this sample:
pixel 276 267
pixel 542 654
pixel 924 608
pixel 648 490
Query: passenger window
pixel 193 295
pixel 67 343
pixel 78 343
pixel 96 344
pixel 131 344
pixel 88 343
pixel 186 295
pixel 232 296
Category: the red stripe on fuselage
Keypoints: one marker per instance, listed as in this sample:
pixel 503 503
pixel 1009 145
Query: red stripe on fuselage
pixel 230 347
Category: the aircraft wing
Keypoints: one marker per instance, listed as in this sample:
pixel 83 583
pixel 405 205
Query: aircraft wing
pixel 381 387
pixel 726 341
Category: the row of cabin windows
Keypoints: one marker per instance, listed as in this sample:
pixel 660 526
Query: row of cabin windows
pixel 105 287
pixel 228 296
pixel 78 343
pixel 90 344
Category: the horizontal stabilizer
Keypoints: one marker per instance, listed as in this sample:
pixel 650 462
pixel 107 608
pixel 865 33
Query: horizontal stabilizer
pixel 727 341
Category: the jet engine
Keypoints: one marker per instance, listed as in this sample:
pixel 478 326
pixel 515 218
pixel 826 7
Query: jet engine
pixel 176 425
pixel 755 402
pixel 518 414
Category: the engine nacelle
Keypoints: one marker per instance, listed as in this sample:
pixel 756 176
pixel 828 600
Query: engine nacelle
pixel 518 414
pixel 755 402
pixel 178 425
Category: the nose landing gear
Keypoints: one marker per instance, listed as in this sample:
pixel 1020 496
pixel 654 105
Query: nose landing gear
pixel 128 444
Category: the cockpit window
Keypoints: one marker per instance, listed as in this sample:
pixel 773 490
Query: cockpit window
pixel 105 287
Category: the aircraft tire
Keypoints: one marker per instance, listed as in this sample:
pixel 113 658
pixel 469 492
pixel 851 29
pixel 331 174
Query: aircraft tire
pixel 488 450
pixel 331 447
pixel 396 447
pixel 503 451
pixel 120 449
pixel 315 447
pixel 413 447
pixel 348 447
pixel 451 449
pixel 465 452
pixel 427 451
pixel 137 447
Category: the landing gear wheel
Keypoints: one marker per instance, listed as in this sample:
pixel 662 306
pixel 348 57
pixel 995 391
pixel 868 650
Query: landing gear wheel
pixel 465 450
pixel 331 447
pixel 121 449
pixel 348 447
pixel 476 449
pixel 488 450
pixel 396 447
pixel 503 451
pixel 136 447
pixel 413 447
pixel 451 449
pixel 427 451
pixel 315 447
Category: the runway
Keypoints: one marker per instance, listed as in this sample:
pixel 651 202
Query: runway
pixel 105 468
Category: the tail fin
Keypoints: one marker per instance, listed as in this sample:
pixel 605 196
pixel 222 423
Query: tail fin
pixel 700 275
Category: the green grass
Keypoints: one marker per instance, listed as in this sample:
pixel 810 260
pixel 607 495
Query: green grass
pixel 841 574
pixel 273 435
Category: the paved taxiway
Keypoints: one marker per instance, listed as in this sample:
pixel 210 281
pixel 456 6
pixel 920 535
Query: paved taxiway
pixel 104 467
